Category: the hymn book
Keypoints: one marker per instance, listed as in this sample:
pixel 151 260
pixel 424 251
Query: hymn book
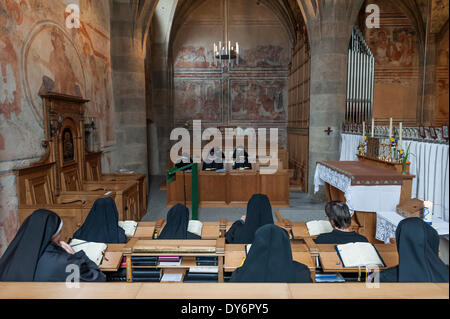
pixel 94 251
pixel 195 227
pixel 129 226
pixel 317 227
pixel 359 255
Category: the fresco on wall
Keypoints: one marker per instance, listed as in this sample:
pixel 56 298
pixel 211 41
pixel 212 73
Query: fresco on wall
pixel 198 99
pixel 396 51
pixel 393 46
pixel 10 89
pixel 263 56
pixel 55 58
pixel 58 61
pixel 258 100
pixel 189 57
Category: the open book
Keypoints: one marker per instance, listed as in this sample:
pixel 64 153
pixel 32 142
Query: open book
pixel 129 226
pixel 359 255
pixel 317 227
pixel 94 251
pixel 195 227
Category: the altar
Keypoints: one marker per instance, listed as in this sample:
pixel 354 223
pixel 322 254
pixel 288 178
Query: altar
pixel 365 186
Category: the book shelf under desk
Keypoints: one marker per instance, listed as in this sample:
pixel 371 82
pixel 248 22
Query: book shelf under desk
pixel 186 263
pixel 187 249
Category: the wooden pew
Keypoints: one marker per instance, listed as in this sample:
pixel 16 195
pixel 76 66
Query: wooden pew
pixel 35 191
pixel 94 173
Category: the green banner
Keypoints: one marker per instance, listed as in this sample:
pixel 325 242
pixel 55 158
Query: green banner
pixel 171 177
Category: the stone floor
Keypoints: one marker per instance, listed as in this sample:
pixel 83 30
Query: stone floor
pixel 302 208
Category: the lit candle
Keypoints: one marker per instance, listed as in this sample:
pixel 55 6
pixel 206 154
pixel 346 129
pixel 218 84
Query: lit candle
pixel 364 129
pixel 373 126
pixel 400 136
pixel 390 128
pixel 237 47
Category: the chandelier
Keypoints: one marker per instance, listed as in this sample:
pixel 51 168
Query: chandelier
pixel 227 54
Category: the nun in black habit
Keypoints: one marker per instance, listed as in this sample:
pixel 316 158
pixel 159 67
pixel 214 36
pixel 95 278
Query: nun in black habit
pixel 102 224
pixel 214 160
pixel 259 213
pixel 177 223
pixel 418 254
pixel 184 160
pixel 270 259
pixel 240 157
pixel 36 254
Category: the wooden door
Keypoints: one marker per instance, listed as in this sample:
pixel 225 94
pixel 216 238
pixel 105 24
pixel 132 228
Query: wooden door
pixel 298 119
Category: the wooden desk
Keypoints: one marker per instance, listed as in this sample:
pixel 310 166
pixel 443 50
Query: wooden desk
pixel 235 255
pixel 331 262
pixel 231 189
pixel 49 290
pixel 242 184
pixel 145 230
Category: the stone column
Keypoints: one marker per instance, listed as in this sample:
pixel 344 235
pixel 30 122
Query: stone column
pixel 329 24
pixel 128 75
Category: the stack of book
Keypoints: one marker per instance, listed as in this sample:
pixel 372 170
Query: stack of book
pixel 169 260
pixel 329 277
pixel 117 276
pixel 147 275
pixel 202 274
pixel 144 261
pixel 206 260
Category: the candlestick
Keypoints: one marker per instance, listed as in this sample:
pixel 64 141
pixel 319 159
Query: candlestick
pixel 400 136
pixel 390 128
pixel 373 126
pixel 364 129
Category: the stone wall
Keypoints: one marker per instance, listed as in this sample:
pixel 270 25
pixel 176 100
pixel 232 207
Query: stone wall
pixel 128 69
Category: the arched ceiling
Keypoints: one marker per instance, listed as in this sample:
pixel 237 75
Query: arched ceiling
pixel 287 11
pixel 291 15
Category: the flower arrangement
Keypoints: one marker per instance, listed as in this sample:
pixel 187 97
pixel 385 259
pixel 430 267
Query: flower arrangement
pixel 403 158
pixel 362 146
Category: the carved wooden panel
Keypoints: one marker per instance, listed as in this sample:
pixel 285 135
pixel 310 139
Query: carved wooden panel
pixel 299 103
pixel 70 179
